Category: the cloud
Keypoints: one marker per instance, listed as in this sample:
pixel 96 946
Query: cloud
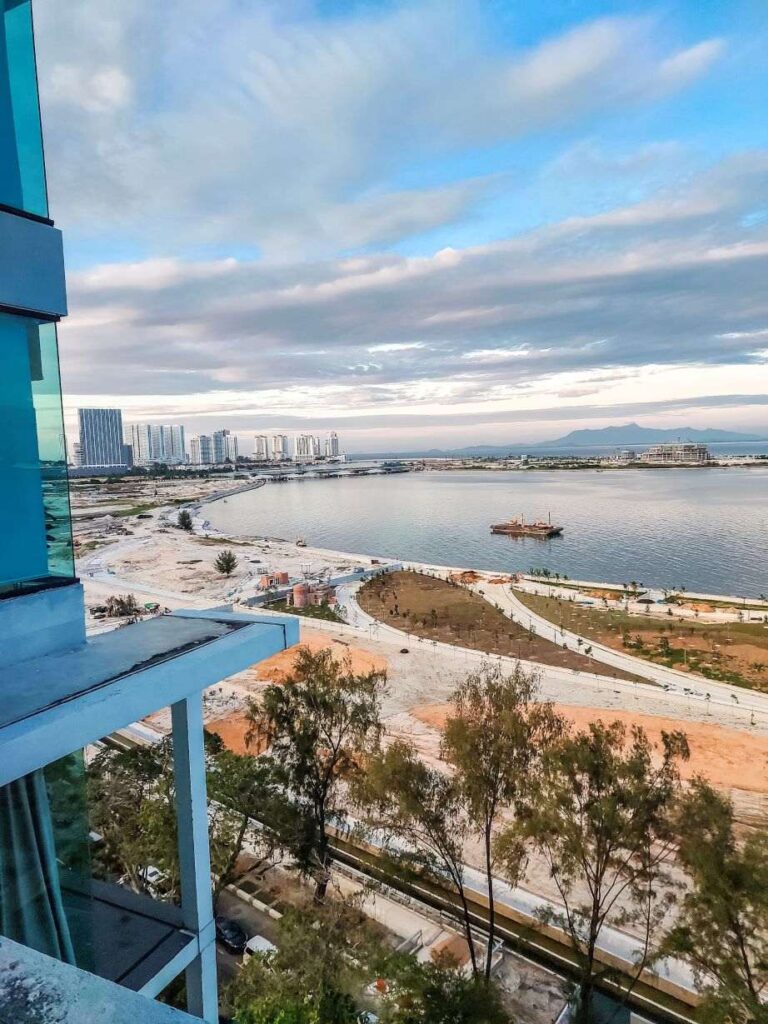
pixel 266 125
pixel 683 285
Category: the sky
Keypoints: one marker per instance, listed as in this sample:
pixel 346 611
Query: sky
pixel 428 223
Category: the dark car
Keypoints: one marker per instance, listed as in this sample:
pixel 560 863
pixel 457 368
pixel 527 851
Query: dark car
pixel 230 934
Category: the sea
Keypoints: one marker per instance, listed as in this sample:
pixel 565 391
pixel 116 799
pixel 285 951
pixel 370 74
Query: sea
pixel 704 529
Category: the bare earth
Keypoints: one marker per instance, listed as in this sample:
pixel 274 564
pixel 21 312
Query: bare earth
pixel 728 758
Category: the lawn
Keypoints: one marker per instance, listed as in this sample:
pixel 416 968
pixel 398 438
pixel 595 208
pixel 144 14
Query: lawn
pixel 726 652
pixel 311 611
pixel 439 610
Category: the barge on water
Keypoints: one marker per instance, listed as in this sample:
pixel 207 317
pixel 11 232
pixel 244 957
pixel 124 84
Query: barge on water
pixel 519 528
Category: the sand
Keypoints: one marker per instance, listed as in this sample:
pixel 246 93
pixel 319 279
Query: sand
pixel 728 758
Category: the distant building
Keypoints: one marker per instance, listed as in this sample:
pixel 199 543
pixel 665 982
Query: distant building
pixel 101 437
pixel 279 447
pixel 678 453
pixel 224 446
pixel 200 450
pixel 261 447
pixel 303 448
pixel 156 442
pixel 332 445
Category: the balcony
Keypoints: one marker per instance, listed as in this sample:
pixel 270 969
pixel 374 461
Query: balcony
pixel 54 706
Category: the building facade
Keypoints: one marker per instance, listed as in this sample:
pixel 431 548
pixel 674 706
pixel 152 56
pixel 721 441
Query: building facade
pixel 303 448
pixel 201 450
pixel 678 453
pixel 332 445
pixel 279 448
pixel 261 447
pixel 101 437
pixel 75 946
pixel 157 442
pixel 224 446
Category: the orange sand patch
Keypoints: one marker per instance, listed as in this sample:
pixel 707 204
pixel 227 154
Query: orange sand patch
pixel 728 758
pixel 232 729
pixel 277 668
pixel 470 576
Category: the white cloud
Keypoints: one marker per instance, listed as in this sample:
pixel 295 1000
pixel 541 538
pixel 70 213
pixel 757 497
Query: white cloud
pixel 263 125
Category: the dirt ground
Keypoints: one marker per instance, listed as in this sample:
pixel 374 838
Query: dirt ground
pixel 728 758
pixel 438 610
pixel 233 726
pixel 732 652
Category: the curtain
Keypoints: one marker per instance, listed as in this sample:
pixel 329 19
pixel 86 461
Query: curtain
pixel 31 905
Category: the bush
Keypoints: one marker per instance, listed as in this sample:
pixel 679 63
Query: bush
pixel 226 562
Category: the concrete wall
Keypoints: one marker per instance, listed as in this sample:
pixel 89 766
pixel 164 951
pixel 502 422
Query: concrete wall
pixel 43 623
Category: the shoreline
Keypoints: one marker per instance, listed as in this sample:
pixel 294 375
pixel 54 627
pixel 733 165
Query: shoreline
pixel 372 558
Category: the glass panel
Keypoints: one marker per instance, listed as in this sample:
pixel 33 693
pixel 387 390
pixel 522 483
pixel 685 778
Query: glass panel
pixel 34 500
pixel 89 861
pixel 22 170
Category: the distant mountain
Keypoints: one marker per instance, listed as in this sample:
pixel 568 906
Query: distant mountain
pixel 604 437
pixel 633 433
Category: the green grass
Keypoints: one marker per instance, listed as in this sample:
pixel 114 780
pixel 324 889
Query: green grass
pixel 312 611
pixel 651 638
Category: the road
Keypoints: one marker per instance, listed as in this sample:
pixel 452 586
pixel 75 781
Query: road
pixel 664 693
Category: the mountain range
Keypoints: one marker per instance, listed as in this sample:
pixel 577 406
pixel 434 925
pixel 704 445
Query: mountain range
pixel 619 436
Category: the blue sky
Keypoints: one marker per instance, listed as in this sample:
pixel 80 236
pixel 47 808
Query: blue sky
pixel 433 222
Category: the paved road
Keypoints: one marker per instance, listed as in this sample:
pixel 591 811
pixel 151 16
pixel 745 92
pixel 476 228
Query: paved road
pixel 674 681
pixel 728 705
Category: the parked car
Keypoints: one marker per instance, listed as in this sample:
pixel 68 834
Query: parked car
pixel 153 879
pixel 230 934
pixel 258 944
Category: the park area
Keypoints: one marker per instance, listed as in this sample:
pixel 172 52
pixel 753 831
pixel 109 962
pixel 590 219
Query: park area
pixel 727 652
pixel 443 610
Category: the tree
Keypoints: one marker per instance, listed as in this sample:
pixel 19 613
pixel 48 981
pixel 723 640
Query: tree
pixel 410 802
pixel 130 793
pixel 493 740
pixel 132 797
pixel 439 993
pixel 226 562
pixel 318 973
pixel 321 723
pixel 242 789
pixel 185 520
pixel 602 818
pixel 722 927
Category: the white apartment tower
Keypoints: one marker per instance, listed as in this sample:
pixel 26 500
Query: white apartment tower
pixel 332 445
pixel 156 442
pixel 261 447
pixel 303 448
pixel 279 447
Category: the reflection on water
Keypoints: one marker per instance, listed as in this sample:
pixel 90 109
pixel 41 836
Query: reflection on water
pixel 703 529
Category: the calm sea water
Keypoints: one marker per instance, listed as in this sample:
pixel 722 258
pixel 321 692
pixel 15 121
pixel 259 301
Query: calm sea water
pixel 704 529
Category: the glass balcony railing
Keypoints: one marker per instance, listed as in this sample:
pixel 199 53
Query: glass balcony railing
pixel 22 169
pixel 35 527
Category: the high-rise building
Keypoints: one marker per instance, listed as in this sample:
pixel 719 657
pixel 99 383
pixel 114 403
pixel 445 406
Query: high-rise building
pixel 303 447
pixel 279 447
pixel 201 450
pixel 332 445
pixel 76 947
pixel 156 442
pixel 261 447
pixel 224 446
pixel 101 437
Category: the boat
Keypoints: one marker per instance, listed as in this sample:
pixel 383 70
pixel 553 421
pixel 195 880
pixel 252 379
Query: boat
pixel 519 528
pixel 301 543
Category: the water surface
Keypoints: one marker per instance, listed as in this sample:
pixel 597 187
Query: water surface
pixel 705 529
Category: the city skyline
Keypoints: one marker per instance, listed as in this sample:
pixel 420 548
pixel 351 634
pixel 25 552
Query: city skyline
pixel 558 221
